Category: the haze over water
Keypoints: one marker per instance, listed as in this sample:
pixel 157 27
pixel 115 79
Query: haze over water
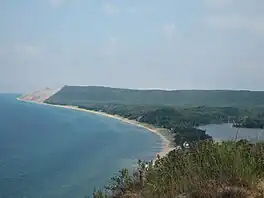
pixel 48 152
pixel 224 132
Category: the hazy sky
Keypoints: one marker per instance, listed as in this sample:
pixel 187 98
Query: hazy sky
pixel 170 44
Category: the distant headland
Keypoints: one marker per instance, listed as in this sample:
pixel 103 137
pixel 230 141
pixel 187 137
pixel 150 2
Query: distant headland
pixel 99 94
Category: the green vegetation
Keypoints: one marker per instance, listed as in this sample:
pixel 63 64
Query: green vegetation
pixel 249 122
pixel 84 95
pixel 187 108
pixel 228 169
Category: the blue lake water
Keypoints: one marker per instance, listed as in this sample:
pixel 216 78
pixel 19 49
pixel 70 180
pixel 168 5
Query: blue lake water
pixel 49 152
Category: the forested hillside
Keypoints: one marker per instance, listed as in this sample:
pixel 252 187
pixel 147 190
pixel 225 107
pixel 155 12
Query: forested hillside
pixel 84 95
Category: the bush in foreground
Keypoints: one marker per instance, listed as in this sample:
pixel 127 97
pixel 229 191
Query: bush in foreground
pixel 209 169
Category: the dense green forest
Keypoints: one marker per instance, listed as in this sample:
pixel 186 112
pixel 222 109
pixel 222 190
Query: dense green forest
pixel 84 95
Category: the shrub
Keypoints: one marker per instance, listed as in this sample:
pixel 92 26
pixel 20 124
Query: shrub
pixel 208 169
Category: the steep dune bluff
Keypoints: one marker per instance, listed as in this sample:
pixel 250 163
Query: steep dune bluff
pixel 40 95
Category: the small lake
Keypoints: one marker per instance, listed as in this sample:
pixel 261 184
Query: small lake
pixel 222 132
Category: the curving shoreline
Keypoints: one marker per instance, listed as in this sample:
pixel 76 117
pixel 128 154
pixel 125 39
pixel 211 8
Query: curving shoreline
pixel 166 147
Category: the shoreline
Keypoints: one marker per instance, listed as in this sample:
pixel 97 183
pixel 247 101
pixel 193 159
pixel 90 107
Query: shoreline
pixel 166 147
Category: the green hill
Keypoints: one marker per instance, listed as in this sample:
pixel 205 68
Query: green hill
pixel 72 95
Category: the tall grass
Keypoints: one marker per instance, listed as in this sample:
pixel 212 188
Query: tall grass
pixel 208 169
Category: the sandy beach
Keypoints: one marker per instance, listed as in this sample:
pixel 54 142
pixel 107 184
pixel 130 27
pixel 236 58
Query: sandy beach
pixel 167 142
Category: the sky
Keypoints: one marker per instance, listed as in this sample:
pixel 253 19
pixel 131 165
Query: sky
pixel 168 44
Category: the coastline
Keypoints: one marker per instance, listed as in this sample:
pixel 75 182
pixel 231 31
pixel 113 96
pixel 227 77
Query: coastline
pixel 167 143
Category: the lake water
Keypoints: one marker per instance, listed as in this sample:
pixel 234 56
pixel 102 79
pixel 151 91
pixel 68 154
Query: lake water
pixel 223 132
pixel 48 152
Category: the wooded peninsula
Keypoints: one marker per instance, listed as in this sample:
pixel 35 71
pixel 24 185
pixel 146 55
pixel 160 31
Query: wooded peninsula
pixel 206 169
pixel 179 111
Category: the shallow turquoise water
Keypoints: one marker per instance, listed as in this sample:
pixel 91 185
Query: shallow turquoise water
pixel 48 152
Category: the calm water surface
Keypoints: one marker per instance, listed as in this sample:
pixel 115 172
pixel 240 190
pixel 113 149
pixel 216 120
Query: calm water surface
pixel 227 132
pixel 48 152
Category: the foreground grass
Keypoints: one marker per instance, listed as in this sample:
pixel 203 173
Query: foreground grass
pixel 209 169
